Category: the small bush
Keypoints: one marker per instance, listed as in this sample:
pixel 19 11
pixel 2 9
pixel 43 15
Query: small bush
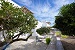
pixel 48 41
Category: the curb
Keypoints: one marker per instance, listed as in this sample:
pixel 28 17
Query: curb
pixel 59 44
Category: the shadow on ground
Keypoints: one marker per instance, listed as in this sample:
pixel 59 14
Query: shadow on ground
pixel 28 46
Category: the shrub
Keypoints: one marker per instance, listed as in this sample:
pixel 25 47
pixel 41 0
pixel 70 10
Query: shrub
pixel 43 30
pixel 48 41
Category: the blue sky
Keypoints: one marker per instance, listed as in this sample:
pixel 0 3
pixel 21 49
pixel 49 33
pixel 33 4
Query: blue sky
pixel 44 10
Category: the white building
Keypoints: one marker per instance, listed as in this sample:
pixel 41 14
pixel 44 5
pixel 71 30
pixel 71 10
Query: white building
pixel 42 24
pixel 13 3
pixel 39 25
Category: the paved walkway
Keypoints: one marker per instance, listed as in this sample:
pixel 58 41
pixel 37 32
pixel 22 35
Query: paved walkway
pixel 52 45
pixel 27 45
pixel 55 44
pixel 59 44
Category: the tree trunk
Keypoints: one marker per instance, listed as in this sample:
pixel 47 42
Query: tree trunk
pixel 17 35
pixel 20 39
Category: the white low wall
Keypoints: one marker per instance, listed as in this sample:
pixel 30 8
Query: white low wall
pixel 1 37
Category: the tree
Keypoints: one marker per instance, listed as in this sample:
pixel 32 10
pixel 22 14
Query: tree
pixel 13 19
pixel 65 21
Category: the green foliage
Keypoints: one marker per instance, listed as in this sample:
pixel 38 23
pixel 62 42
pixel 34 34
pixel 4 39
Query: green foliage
pixel 65 21
pixel 43 30
pixel 48 41
pixel 64 36
pixel 14 19
pixel 58 33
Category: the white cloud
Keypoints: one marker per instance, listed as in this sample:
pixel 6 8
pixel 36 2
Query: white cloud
pixel 45 11
pixel 26 2
pixel 60 3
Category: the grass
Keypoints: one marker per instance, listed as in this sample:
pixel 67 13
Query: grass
pixel 58 33
pixel 64 36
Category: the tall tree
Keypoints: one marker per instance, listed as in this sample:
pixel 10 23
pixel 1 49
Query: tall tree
pixel 65 21
pixel 13 19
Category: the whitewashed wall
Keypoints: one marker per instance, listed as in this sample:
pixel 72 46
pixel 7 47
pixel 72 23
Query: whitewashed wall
pixel 1 36
pixel 13 3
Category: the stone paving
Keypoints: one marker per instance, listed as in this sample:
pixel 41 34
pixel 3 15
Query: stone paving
pixel 32 45
pixel 59 44
pixel 27 45
pixel 52 45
